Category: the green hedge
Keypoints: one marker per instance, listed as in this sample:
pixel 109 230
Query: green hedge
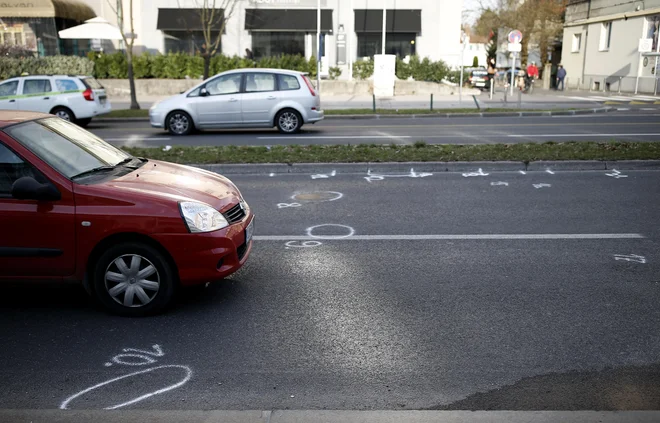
pixel 50 65
pixel 419 70
pixel 180 66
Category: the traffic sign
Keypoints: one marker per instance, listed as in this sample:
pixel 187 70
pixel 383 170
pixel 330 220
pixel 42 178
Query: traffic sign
pixel 515 36
pixel 515 47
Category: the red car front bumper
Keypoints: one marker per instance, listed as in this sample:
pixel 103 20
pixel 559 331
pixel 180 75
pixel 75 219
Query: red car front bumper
pixel 208 257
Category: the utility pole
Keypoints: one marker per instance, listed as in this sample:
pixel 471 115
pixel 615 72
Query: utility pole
pixel 460 85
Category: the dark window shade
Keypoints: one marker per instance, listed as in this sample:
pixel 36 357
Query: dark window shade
pixel 187 19
pixel 395 21
pixel 401 45
pixel 303 20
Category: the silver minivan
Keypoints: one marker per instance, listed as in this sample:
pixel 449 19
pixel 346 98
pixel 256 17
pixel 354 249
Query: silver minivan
pixel 242 98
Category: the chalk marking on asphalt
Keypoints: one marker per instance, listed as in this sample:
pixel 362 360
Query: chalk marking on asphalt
pixel 287 205
pixel 301 196
pixel 336 137
pixel 494 184
pixel 477 173
pixel 301 244
pixel 537 186
pixel 182 382
pixel 444 237
pixel 145 356
pixel 324 175
pixel 581 135
pixel 310 231
pixel 616 174
pixel 379 177
pixel 549 171
pixel 631 257
pixel 522 172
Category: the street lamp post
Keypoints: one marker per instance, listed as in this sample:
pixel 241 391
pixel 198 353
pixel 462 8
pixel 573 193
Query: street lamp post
pixel 318 46
pixel 460 85
pixel 384 29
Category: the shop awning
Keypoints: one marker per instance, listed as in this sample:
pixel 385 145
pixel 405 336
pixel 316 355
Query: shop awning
pixel 396 20
pixel 92 29
pixel 295 20
pixel 75 10
pixel 188 19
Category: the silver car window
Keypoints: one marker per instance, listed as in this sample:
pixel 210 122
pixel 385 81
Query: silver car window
pixel 288 82
pixel 226 84
pixel 259 82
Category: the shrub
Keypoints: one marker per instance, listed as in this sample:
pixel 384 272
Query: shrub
pixel 363 69
pixel 51 65
pixel 475 62
pixel 335 72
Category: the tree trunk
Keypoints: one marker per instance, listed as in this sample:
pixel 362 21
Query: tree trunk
pixel 207 65
pixel 131 79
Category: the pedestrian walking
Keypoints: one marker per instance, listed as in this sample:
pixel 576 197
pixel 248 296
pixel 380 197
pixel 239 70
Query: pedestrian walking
pixel 561 75
pixel 248 54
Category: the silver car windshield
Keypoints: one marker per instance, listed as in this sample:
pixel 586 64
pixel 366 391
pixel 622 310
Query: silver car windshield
pixel 65 146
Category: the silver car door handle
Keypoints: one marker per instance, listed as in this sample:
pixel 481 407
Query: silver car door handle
pixel 270 97
pixel 233 100
pixel 12 101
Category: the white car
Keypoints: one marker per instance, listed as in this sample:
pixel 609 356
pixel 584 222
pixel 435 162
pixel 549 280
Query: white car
pixel 73 98
pixel 242 98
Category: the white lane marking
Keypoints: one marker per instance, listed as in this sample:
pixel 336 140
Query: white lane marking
pixel 631 257
pixel 623 109
pixel 336 137
pixel 582 135
pixel 271 174
pixel 646 97
pixel 494 184
pixel 647 108
pixel 549 171
pixel 185 380
pixel 522 172
pixel 450 237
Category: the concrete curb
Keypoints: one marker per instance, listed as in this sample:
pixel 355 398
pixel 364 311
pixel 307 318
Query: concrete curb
pixel 425 115
pixel 324 416
pixel 406 167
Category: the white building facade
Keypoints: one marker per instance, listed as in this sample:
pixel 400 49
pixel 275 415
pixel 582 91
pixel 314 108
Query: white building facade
pixel 351 29
pixel 600 46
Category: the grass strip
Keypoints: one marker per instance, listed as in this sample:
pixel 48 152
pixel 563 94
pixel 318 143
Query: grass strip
pixel 420 151
pixel 144 113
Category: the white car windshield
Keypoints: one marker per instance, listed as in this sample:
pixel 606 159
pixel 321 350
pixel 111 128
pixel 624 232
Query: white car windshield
pixel 66 147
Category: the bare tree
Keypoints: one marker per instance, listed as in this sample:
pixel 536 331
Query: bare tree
pixel 210 18
pixel 129 42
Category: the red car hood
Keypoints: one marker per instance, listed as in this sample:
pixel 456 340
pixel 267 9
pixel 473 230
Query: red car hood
pixel 180 183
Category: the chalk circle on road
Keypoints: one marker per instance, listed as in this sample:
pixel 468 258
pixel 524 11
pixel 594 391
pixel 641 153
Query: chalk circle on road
pixel 303 244
pixel 330 231
pixel 317 196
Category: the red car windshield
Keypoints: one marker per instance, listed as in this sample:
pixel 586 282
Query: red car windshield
pixel 66 147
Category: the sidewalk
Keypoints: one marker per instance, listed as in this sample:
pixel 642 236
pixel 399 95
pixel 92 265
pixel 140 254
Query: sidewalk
pixel 536 100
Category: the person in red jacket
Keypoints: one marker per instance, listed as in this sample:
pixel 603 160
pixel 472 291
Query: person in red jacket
pixel 533 71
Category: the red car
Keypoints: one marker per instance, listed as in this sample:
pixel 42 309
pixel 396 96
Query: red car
pixel 131 230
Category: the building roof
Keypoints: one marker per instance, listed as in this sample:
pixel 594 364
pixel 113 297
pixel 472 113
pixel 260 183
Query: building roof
pixel 67 9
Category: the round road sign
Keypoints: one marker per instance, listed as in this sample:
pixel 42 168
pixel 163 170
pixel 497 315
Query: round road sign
pixel 515 36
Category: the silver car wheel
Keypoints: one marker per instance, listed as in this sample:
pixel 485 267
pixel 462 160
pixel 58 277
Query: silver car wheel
pixel 63 114
pixel 288 121
pixel 131 276
pixel 178 123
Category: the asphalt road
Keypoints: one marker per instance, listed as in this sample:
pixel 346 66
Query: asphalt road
pixel 407 313
pixel 634 126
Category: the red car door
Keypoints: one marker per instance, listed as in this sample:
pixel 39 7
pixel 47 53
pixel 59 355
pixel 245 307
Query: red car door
pixel 37 238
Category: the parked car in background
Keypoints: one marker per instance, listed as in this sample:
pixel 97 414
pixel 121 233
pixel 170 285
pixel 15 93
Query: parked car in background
pixel 74 98
pixel 478 78
pixel 76 209
pixel 242 98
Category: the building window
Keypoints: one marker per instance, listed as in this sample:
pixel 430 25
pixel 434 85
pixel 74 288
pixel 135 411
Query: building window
pixel 577 43
pixel 272 44
pixel 188 42
pixel 653 30
pixel 605 36
pixel 402 45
